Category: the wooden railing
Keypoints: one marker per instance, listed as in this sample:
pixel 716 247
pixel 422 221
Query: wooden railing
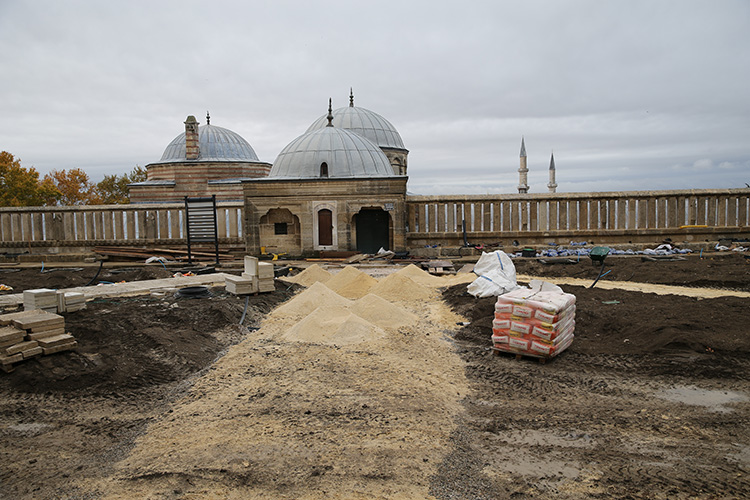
pixel 91 225
pixel 618 215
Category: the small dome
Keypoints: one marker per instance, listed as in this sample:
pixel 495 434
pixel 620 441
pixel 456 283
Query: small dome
pixel 364 122
pixel 216 144
pixel 345 154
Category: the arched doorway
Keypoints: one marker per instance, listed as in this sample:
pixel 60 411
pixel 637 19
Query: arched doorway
pixel 325 227
pixel 373 230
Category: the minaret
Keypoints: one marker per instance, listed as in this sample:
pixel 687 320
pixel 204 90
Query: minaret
pixel 523 172
pixel 351 97
pixel 552 184
pixel 192 143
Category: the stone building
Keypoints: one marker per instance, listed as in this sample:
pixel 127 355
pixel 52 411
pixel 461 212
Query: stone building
pixel 202 161
pixel 371 126
pixel 329 189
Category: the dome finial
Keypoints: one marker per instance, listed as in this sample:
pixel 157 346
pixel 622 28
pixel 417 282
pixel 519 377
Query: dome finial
pixel 351 97
pixel 330 114
pixel 208 118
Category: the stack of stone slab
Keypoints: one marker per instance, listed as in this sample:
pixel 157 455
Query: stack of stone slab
pixel 258 277
pixel 41 298
pixel 265 277
pixel 27 334
pixel 70 301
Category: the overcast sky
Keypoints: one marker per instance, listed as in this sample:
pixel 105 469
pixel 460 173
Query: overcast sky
pixel 629 95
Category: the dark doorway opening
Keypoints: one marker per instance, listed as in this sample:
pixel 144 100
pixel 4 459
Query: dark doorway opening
pixel 325 227
pixel 373 230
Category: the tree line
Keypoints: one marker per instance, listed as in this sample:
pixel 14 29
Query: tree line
pixel 22 187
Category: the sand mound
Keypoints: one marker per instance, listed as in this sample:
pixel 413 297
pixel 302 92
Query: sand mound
pixel 400 288
pixel 419 276
pixel 351 283
pixel 315 296
pixel 382 313
pixel 312 274
pixel 333 325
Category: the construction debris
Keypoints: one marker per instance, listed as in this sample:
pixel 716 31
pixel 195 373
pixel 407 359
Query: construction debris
pixel 41 298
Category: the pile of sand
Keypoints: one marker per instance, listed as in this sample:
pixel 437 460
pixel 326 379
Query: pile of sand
pixel 351 283
pixel 382 313
pixel 333 325
pixel 420 276
pixel 310 299
pixel 312 274
pixel 400 288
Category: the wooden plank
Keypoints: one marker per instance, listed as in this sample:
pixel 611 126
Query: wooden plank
pixel 583 214
pixel 233 225
pixel 742 210
pixel 731 211
pixel 553 215
pixel 611 214
pixel 486 217
pixel 221 222
pixel 163 223
pixel 38 223
pixel 421 211
pixel 453 226
pixel 26 227
pixel 411 218
pixel 543 216
pixel 533 215
pixel 563 215
pixel 5 227
pixel 119 225
pixel 441 217
pixel 496 217
pixel 651 220
pixel 711 218
pixel 622 214
pixel 524 224
pixel 15 222
pixel 109 230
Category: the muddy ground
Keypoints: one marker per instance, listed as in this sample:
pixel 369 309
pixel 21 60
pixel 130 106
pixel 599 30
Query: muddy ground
pixel 646 403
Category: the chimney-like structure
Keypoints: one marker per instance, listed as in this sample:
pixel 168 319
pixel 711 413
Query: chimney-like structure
pixel 192 144
pixel 552 184
pixel 523 172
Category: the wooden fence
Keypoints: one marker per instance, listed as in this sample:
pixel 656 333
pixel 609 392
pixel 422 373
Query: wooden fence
pixel 87 226
pixel 612 216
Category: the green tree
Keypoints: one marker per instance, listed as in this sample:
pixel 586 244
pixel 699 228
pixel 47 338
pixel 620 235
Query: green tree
pixel 113 189
pixel 20 186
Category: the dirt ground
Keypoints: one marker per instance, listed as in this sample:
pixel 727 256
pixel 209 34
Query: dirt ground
pixel 171 398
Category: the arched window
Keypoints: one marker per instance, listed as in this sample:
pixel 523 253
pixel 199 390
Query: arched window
pixel 324 169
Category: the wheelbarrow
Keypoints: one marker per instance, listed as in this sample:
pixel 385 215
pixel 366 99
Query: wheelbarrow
pixel 597 255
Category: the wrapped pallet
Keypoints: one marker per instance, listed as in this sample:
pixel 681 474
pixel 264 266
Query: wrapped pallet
pixel 538 321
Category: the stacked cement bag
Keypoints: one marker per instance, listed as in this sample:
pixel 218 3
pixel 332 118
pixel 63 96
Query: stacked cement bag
pixel 537 321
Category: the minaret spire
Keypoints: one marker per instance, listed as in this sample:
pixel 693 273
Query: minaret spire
pixel 330 113
pixel 552 185
pixel 208 118
pixel 523 171
pixel 351 97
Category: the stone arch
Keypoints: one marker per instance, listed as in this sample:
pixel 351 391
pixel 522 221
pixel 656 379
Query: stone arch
pixel 280 232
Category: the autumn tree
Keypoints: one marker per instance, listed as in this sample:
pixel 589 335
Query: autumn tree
pixel 20 186
pixel 74 186
pixel 113 189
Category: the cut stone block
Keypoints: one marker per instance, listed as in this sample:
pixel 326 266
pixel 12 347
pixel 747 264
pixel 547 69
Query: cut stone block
pixel 60 348
pixel 10 334
pixel 39 320
pixel 8 360
pixel 34 351
pixel 45 334
pixel 7 319
pixel 56 340
pixel 265 270
pixel 251 265
pixel 21 346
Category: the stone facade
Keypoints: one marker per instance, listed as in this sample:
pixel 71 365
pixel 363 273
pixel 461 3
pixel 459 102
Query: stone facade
pixel 285 215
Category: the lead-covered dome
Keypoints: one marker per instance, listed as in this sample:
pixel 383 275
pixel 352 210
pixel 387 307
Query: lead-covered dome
pixel 363 122
pixel 215 143
pixel 344 153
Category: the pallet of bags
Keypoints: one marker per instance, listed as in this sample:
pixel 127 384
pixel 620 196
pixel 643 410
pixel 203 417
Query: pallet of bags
pixel 538 321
